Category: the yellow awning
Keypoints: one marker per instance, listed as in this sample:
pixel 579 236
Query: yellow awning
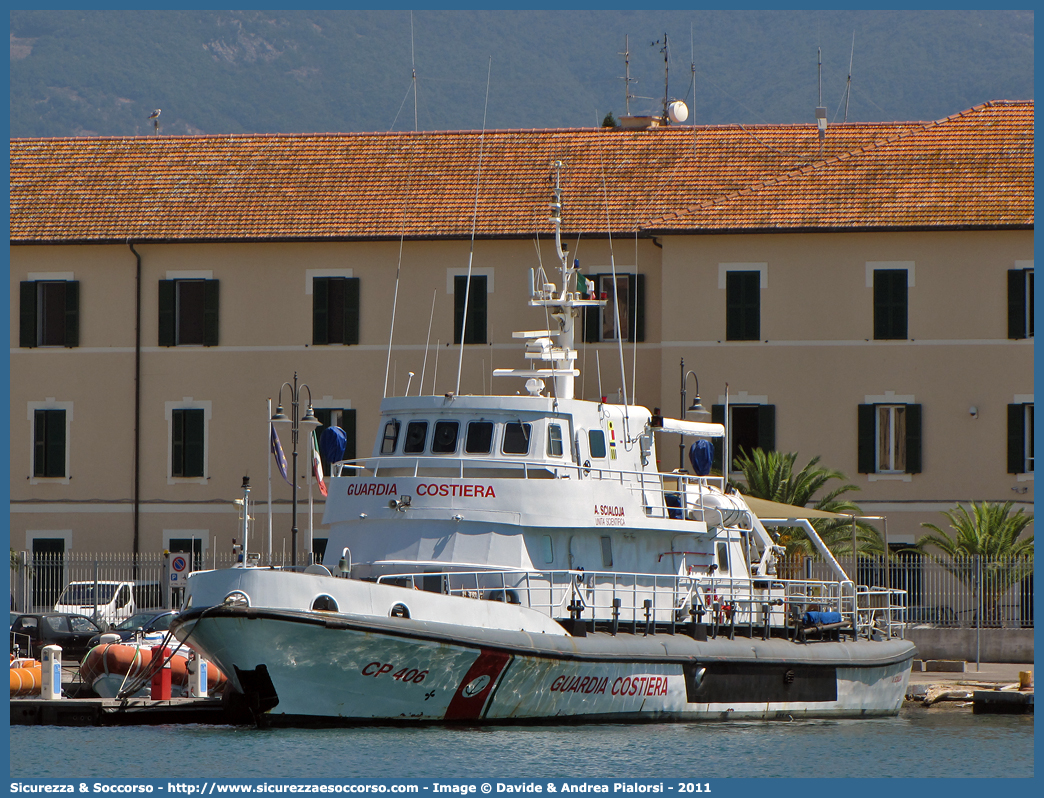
pixel 763 508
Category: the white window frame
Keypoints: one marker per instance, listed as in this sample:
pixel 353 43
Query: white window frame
pixel 188 403
pixel 887 398
pixel 50 404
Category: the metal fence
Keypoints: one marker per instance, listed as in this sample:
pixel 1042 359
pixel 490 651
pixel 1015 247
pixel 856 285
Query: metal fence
pixel 38 580
pixel 964 592
pixel 941 591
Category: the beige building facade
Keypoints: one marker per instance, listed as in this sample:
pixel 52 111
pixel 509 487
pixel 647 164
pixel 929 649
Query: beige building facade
pixel 890 347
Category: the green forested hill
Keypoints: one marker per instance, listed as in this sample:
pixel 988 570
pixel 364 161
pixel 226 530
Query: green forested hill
pixel 102 72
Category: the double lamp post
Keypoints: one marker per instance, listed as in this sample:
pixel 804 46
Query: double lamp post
pixel 295 426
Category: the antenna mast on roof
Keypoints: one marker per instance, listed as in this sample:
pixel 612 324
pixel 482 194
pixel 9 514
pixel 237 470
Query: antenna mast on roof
pixel 821 118
pixel 666 74
pixel 848 87
pixel 627 79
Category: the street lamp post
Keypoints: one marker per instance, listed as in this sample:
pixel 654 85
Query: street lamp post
pixel 295 426
pixel 696 409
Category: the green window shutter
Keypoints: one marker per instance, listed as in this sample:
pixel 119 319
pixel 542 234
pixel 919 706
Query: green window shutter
pixel 913 439
pixel 72 313
pixel 351 310
pixel 27 315
pixel 717 417
pixel 348 425
pixel 194 443
pixel 1016 439
pixel 867 455
pixel 320 294
pixel 55 443
pixel 177 443
pixel 636 308
pixel 1016 305
pixel 39 443
pixel 459 287
pixel 211 296
pixel 767 428
pixel 592 317
pixel 166 312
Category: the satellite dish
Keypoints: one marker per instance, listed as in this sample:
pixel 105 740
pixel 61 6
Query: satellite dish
pixel 677 112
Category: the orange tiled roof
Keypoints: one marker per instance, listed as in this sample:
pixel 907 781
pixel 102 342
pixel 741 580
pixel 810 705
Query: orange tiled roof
pixel 973 169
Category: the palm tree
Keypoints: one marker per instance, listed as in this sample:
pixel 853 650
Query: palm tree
pixel 770 475
pixel 989 531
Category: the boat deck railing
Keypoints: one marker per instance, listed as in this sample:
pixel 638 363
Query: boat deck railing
pixel 644 603
pixel 674 495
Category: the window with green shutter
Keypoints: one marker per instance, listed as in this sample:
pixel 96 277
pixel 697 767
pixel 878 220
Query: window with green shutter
pixel 750 427
pixel 1020 303
pixel 188 312
pixel 475 329
pixel 890 304
pixel 1020 439
pixel 889 439
pixel 187 442
pixel 599 323
pixel 49 313
pixel 743 305
pixel 49 441
pixel 335 310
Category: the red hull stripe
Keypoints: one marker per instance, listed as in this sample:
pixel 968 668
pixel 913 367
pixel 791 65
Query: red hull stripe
pixel 469 702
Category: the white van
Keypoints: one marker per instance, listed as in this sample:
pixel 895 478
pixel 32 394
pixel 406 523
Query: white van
pixel 114 601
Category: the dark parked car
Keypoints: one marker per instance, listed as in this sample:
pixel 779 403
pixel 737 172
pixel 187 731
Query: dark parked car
pixel 31 632
pixel 143 623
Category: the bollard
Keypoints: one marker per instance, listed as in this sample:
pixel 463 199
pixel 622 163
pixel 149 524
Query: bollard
pixel 161 677
pixel 51 673
pixel 197 668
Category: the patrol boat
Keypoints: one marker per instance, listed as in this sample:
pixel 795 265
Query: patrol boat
pixel 507 559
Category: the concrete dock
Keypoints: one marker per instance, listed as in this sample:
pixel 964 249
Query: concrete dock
pixel 993 688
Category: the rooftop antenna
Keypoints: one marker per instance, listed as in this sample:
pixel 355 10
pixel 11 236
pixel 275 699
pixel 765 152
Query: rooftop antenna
pixel 627 79
pixel 821 111
pixel 666 74
pixel 848 87
pixel 413 66
pixel 154 116
pixel 474 222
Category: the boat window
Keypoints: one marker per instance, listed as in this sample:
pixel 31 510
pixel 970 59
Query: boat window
pixel 324 604
pixel 391 437
pixel 607 552
pixel 479 439
pixel 554 440
pixel 549 550
pixel 516 437
pixel 723 557
pixel 416 433
pixel 597 440
pixel 444 441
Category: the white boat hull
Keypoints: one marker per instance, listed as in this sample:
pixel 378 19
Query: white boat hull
pixel 356 669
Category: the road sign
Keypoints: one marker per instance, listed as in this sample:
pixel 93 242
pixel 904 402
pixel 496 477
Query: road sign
pixel 179 570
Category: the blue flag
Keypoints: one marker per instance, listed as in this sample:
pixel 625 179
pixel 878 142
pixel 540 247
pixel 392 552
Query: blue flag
pixel 280 458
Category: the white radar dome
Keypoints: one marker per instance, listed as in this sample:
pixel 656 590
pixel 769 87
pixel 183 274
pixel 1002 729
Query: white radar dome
pixel 677 111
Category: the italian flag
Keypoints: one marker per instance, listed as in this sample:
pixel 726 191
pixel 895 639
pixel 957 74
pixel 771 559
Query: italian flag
pixel 317 464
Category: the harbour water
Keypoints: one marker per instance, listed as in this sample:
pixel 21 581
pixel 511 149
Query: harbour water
pixel 940 742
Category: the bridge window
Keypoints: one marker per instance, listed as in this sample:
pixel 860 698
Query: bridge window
pixel 597 440
pixel 516 437
pixel 554 440
pixel 607 552
pixel 479 438
pixel 444 441
pixel 391 437
pixel 416 434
